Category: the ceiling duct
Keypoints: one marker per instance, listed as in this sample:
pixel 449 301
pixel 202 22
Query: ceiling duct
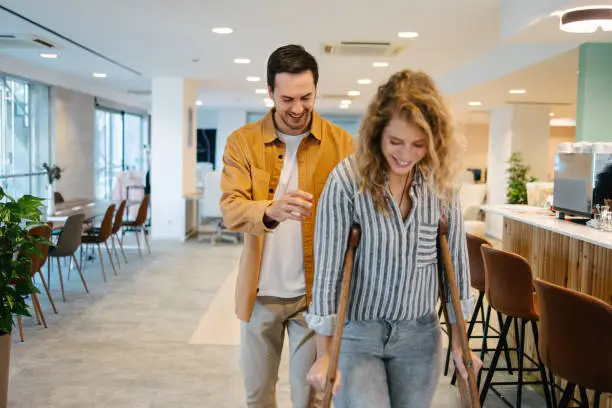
pixel 363 49
pixel 25 42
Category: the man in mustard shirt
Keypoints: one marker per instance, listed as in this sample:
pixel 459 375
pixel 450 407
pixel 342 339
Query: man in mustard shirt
pixel 273 173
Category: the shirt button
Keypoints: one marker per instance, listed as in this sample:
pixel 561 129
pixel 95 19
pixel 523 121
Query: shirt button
pixel 280 156
pixel 270 191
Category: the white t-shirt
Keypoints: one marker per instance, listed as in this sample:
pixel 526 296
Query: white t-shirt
pixel 282 265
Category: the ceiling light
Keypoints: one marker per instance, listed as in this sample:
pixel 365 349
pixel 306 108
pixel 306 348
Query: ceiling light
pixel 262 91
pixel 346 102
pixel 353 93
pixel 49 56
pixel 242 61
pixel 474 103
pixel 99 75
pixel 199 103
pixel 408 34
pixel 222 30
pixel 253 79
pixel 568 122
pixel 380 64
pixel 344 106
pixel 586 19
pixel 269 102
pixel 517 91
pixel 552 114
pixel 364 81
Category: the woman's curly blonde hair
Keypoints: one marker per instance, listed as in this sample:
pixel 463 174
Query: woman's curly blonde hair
pixel 414 97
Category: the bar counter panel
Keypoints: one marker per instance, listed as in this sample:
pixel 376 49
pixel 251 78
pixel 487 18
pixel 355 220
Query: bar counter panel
pixel 567 254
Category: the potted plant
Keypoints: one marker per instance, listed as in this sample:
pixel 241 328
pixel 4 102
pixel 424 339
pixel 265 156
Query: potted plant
pixel 53 173
pixel 16 217
pixel 516 193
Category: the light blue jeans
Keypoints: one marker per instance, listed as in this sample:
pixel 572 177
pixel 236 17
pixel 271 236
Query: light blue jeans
pixel 387 364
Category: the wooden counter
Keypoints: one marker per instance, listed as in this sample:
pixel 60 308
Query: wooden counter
pixel 560 251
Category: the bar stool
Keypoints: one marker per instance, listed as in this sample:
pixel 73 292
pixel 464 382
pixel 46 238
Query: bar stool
pixel 477 279
pixel 576 340
pixel 509 290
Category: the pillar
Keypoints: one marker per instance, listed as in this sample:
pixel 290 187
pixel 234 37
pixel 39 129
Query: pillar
pixel 515 128
pixel 228 121
pixel 173 157
pixel 594 107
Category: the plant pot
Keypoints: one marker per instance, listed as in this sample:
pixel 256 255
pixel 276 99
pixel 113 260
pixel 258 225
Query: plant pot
pixel 5 356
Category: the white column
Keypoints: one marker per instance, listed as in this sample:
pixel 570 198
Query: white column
pixel 228 120
pixel 515 128
pixel 173 156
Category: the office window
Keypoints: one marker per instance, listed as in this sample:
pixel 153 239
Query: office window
pixel 120 140
pixel 24 136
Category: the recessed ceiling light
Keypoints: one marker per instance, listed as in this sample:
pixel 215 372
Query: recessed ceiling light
pixel 269 102
pixel 408 34
pixel 199 103
pixel 261 91
pixel 49 56
pixel 474 103
pixel 222 30
pixel 344 106
pixel 242 61
pixel 364 81
pixel 380 64
pixel 552 114
pixel 253 79
pixel 99 75
pixel 346 102
pixel 353 93
pixel 517 91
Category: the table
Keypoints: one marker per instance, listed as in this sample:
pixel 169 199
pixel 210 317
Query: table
pixel 91 208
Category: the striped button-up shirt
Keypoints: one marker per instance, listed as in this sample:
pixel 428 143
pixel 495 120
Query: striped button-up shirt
pixel 395 274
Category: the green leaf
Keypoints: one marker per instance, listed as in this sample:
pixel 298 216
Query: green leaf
pixel 16 248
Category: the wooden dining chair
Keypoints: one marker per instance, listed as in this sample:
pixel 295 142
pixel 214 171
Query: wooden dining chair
pixel 37 262
pixel 101 237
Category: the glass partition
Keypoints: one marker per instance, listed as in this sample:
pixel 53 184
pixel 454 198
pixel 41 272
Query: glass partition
pixel 24 136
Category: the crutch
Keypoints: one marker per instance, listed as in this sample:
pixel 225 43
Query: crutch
pixel 468 390
pixel 317 399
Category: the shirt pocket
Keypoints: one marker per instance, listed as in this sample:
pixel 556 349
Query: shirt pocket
pixel 260 184
pixel 427 248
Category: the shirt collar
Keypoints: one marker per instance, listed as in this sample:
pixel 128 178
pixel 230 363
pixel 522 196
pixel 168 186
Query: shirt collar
pixel 270 135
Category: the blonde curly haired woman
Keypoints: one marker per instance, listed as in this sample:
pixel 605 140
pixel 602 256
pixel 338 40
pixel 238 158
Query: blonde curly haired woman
pixel 396 187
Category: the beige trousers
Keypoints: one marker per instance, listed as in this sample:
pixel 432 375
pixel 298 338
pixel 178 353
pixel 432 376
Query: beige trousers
pixel 261 345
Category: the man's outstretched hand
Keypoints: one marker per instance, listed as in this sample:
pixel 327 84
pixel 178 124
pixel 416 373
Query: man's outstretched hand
pixel 294 205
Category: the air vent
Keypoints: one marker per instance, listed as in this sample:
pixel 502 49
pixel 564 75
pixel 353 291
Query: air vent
pixel 24 42
pixel 334 96
pixel 363 49
pixel 139 92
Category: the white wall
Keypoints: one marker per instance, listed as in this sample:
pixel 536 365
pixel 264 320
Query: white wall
pixel 207 118
pixel 477 136
pixel 73 123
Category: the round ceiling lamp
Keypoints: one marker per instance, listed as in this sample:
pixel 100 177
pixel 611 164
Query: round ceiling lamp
pixel 586 20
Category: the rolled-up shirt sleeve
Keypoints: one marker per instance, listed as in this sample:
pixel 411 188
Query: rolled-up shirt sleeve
pixel 332 226
pixel 457 244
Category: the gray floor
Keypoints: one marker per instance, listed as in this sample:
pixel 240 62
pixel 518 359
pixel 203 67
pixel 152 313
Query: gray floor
pixel 126 344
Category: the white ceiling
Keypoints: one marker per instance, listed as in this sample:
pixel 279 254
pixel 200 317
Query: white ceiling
pixel 476 49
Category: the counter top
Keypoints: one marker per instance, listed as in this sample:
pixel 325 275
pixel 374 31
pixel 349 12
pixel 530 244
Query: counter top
pixel 541 218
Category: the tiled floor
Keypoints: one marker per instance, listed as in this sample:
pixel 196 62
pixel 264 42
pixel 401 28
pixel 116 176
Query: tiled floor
pixel 160 334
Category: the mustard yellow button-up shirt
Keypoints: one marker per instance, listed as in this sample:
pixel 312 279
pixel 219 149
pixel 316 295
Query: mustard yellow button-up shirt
pixel 252 163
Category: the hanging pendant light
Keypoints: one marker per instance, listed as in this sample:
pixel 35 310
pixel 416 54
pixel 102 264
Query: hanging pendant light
pixel 586 20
